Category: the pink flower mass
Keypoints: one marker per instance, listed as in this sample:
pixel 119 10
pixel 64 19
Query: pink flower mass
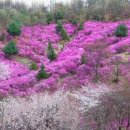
pixel 18 79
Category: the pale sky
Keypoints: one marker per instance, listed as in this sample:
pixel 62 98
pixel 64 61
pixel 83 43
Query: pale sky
pixel 46 2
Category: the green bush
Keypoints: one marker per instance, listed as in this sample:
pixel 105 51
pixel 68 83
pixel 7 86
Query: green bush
pixel 51 52
pixel 42 74
pixel 64 35
pixel 59 26
pixel 10 49
pixel 121 31
pixel 14 29
pixel 74 22
pixel 2 37
pixel 33 66
pixel 49 18
pixel 59 16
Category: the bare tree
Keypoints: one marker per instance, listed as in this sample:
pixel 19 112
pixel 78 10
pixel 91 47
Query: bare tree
pixel 96 54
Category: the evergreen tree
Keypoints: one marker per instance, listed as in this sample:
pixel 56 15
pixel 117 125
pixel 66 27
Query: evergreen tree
pixel 64 35
pixel 14 29
pixel 74 22
pixel 121 31
pixel 59 26
pixel 59 16
pixel 49 18
pixel 33 66
pixel 10 49
pixel 51 52
pixel 42 74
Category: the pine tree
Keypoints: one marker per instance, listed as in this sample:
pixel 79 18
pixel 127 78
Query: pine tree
pixel 59 27
pixel 64 35
pixel 49 18
pixel 14 29
pixel 42 74
pixel 60 30
pixel 121 31
pixel 74 22
pixel 59 16
pixel 51 52
pixel 10 49
pixel 33 66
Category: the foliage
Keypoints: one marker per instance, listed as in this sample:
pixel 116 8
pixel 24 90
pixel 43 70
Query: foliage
pixel 64 35
pixel 121 31
pixel 32 44
pixel 51 52
pixel 59 26
pixel 49 18
pixel 14 28
pixel 107 10
pixel 59 16
pixel 42 74
pixel 22 18
pixel 74 22
pixel 33 66
pixel 10 49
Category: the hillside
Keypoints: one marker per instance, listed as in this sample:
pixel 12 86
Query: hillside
pixel 65 76
pixel 68 69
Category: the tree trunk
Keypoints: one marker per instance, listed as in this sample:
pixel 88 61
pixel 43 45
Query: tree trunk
pixel 96 75
pixel 119 128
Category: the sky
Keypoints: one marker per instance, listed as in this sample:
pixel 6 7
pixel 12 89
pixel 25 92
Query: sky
pixel 46 2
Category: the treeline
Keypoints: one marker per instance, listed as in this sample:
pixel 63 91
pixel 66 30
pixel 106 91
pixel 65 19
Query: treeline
pixel 78 10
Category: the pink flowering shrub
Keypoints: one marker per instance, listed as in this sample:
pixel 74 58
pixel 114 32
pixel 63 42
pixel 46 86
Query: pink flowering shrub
pixel 68 65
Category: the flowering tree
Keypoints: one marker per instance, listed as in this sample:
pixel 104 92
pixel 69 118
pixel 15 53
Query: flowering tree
pixel 40 112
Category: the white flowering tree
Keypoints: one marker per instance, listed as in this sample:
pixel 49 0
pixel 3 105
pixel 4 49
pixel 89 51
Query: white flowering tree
pixel 40 112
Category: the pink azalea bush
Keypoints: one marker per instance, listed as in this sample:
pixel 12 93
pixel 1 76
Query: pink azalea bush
pixel 68 66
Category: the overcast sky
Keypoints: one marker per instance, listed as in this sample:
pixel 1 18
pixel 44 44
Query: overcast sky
pixel 46 2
